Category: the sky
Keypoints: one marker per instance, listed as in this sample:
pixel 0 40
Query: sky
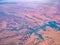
pixel 24 0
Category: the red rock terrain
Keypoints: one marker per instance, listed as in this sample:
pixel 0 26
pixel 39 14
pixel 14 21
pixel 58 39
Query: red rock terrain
pixel 30 24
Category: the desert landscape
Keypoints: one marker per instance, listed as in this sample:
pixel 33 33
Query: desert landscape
pixel 30 23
